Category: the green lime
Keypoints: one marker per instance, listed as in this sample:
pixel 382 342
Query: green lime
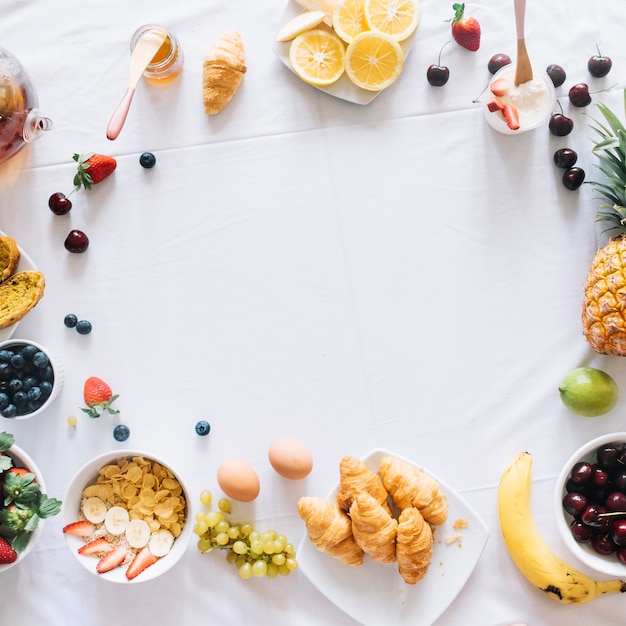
pixel 589 392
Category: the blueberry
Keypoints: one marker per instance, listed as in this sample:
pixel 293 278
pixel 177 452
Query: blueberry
pixel 15 385
pixel 29 351
pixel 83 327
pixel 9 411
pixel 121 432
pixel 20 398
pixel 46 388
pixel 40 359
pixel 70 320
pixel 34 394
pixel 17 361
pixel 4 401
pixel 5 356
pixel 147 160
pixel 47 374
pixel 5 370
pixel 203 427
pixel 29 382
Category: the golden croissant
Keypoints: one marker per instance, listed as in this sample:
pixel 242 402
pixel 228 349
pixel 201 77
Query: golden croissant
pixel 414 545
pixel 373 528
pixel 329 529
pixel 356 478
pixel 412 487
pixel 223 70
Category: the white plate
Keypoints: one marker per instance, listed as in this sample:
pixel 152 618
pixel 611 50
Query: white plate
pixel 25 264
pixel 374 593
pixel 344 88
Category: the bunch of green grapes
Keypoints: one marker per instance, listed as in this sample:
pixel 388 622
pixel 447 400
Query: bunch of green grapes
pixel 253 553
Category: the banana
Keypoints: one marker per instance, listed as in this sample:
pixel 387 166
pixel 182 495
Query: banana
pixel 137 533
pixel 161 542
pixel 94 509
pixel 528 549
pixel 116 520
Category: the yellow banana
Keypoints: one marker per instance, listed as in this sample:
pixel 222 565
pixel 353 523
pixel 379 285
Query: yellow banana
pixel 528 549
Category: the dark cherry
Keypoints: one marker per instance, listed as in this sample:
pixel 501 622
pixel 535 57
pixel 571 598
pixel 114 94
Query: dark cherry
pixel 608 456
pixel 575 503
pixel 581 533
pixel 599 476
pixel 579 95
pixel 560 125
pixel 59 204
pixel 565 158
pixel 599 65
pixel 497 62
pixel 76 241
pixel 557 74
pixel 436 74
pixel 592 516
pixel 621 555
pixel 618 532
pixel 619 480
pixel 603 545
pixel 616 501
pixel 573 178
pixel 581 472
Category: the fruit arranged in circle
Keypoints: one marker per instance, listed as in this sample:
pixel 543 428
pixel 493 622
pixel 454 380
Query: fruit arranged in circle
pixel 497 62
pixel 437 74
pixel 349 19
pixel 317 57
pixel 573 178
pixel 397 18
pixel 579 95
pixel 374 61
pixel 589 392
pixel 565 158
pixel 599 65
pixel 556 73
pixel 59 203
pixel 76 241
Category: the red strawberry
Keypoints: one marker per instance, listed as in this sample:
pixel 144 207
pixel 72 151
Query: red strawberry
pixel 20 471
pixel 98 546
pixel 98 397
pixel 499 87
pixel 92 169
pixel 7 553
pixel 111 560
pixel 143 559
pixel 495 105
pixel 511 116
pixel 82 528
pixel 465 30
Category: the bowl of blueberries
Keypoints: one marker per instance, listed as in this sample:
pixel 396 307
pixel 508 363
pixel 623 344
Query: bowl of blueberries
pixel 30 379
pixel 590 504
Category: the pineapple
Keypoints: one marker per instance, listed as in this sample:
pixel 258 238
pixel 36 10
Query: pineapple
pixel 604 303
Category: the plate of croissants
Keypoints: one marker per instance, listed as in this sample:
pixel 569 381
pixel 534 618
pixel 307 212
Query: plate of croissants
pixel 391 543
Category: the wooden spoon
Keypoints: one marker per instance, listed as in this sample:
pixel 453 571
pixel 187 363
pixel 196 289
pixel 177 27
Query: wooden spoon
pixel 523 69
pixel 143 53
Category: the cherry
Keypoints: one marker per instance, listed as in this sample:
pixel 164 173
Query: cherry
pixel 599 477
pixel 559 124
pixel 572 179
pixel 557 74
pixel 618 532
pixel 497 62
pixel 565 158
pixel 603 545
pixel 580 532
pixel 592 516
pixel 575 503
pixel 581 472
pixel 619 480
pixel 59 204
pixel 608 456
pixel 579 95
pixel 599 65
pixel 615 501
pixel 76 241
pixel 621 555
pixel 437 74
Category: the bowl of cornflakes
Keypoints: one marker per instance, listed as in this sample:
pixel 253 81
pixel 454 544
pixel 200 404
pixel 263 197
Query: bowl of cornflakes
pixel 126 516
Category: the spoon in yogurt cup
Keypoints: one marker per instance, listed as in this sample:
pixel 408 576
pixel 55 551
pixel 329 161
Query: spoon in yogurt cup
pixel 523 69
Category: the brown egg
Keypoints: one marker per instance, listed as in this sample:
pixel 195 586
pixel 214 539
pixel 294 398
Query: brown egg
pixel 290 458
pixel 238 480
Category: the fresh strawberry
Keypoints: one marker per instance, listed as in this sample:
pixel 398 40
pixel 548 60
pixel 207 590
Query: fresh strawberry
pixel 97 546
pixel 98 397
pixel 20 471
pixel 7 553
pixel 495 105
pixel 111 560
pixel 499 87
pixel 82 528
pixel 465 30
pixel 511 116
pixel 143 559
pixel 92 169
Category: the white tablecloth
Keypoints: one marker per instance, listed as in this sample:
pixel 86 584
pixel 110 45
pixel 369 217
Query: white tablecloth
pixel 394 275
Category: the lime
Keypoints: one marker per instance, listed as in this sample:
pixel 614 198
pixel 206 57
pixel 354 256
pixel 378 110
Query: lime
pixel 589 392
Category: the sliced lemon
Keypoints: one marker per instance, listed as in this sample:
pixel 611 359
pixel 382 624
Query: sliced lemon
pixel 397 18
pixel 374 60
pixel 317 57
pixel 349 19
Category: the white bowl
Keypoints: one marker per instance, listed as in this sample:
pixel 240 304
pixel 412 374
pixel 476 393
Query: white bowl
pixel 496 119
pixel 21 459
pixel 608 565
pixel 70 512
pixel 57 371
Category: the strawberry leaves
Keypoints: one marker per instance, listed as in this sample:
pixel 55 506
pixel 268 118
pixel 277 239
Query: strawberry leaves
pixel 92 169
pixel 465 30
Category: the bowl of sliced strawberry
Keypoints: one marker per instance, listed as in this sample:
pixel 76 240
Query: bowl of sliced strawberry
pixel 23 504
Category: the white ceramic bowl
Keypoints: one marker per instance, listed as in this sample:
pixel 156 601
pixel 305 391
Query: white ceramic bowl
pixel 496 119
pixel 608 565
pixel 70 512
pixel 57 372
pixel 21 459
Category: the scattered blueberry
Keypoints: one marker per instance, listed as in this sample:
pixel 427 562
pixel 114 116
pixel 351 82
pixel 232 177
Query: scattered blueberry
pixel 121 432
pixel 147 160
pixel 83 327
pixel 203 427
pixel 70 320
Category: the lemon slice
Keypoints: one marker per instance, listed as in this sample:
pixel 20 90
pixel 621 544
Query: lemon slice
pixel 317 57
pixel 374 60
pixel 349 19
pixel 397 18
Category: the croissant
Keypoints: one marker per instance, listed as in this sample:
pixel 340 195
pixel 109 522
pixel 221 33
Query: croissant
pixel 223 70
pixel 329 529
pixel 356 478
pixel 414 545
pixel 373 528
pixel 412 487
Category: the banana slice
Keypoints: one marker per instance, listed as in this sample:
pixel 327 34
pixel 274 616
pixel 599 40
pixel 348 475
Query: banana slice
pixel 137 533
pixel 94 509
pixel 116 520
pixel 300 23
pixel 161 542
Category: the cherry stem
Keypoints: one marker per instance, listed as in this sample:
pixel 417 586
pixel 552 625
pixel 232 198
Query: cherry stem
pixel 612 514
pixel 440 51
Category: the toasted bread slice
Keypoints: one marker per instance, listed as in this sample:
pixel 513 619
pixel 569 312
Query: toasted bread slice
pixel 9 256
pixel 18 295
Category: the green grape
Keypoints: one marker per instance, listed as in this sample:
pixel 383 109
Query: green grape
pixel 222 526
pixel 290 550
pixel 259 569
pixel 213 517
pixel 206 496
pixel 292 564
pixel 224 505
pixel 268 547
pixel 256 547
pixel 221 539
pixel 279 559
pixel 272 570
pixel 268 535
pixel 253 535
pixel 240 547
pixel 283 570
pixel 246 529
pixel 204 544
pixel 200 528
pixel 245 571
pixel 234 532
pixel 231 558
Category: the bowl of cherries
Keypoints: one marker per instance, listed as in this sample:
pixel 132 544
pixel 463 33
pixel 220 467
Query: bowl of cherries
pixel 590 504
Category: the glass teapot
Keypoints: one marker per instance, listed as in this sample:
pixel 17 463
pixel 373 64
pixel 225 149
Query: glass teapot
pixel 20 120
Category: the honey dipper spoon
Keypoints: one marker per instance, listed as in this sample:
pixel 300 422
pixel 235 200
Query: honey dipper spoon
pixel 523 69
pixel 143 53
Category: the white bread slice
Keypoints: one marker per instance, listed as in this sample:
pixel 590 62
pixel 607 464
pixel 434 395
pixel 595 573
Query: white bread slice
pixel 18 295
pixel 9 256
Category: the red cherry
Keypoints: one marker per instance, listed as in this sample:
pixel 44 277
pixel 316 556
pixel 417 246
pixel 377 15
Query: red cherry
pixel 599 65
pixel 498 61
pixel 59 204
pixel 76 241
